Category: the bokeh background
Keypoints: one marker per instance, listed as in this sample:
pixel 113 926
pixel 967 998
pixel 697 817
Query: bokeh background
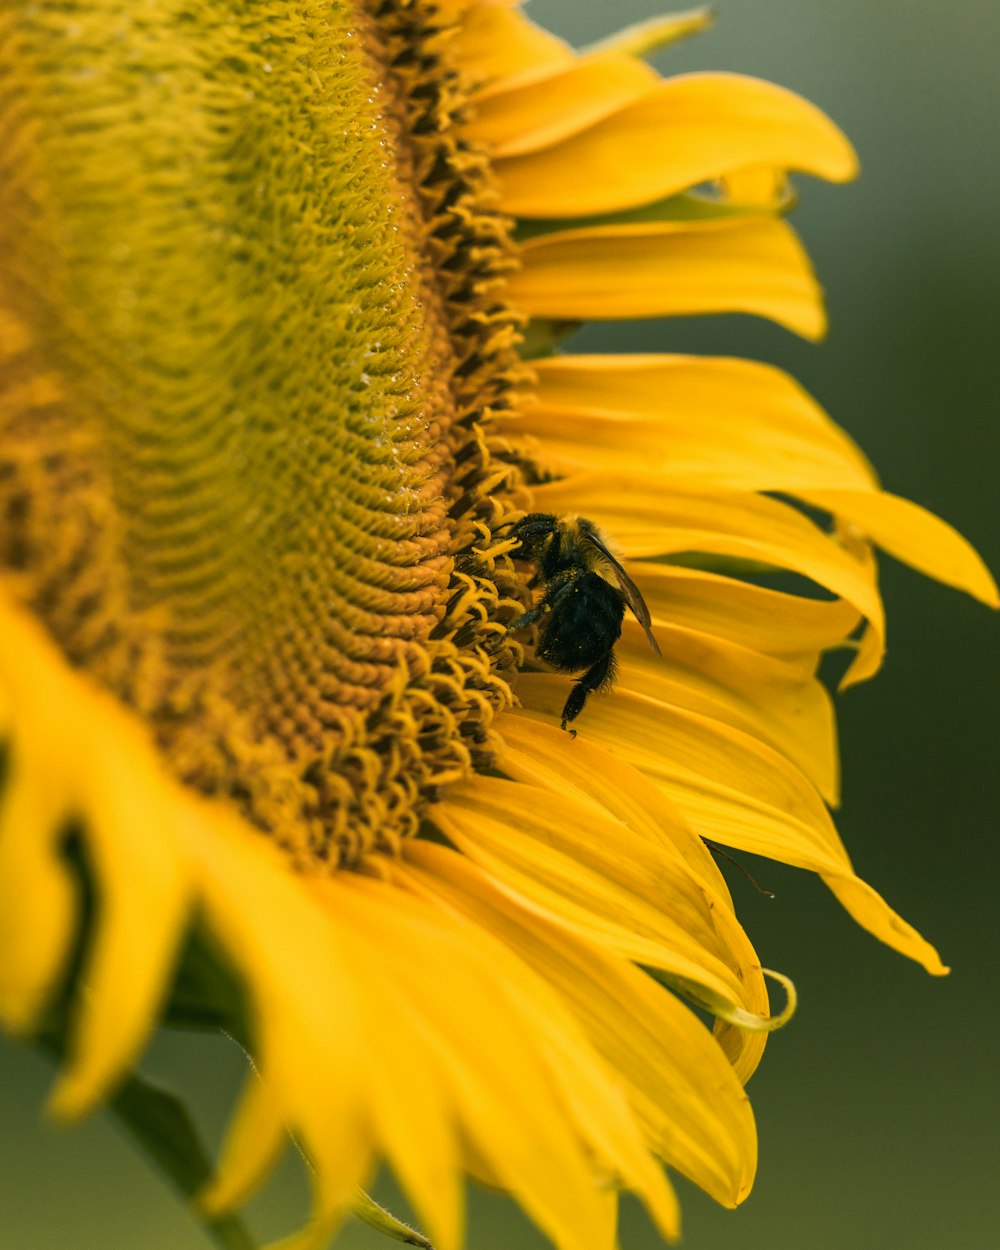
pixel 879 1107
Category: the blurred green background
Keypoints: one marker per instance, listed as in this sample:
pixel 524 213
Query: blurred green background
pixel 878 1107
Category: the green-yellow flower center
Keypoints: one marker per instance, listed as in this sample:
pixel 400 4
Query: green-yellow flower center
pixel 247 390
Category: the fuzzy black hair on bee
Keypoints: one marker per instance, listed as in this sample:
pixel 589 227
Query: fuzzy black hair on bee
pixel 586 592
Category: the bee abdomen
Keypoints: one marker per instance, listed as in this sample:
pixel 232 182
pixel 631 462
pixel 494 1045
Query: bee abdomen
pixel 584 626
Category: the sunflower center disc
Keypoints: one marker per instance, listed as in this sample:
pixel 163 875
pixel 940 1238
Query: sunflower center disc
pixel 251 493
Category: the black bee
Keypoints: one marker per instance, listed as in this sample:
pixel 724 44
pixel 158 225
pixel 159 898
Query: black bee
pixel 586 593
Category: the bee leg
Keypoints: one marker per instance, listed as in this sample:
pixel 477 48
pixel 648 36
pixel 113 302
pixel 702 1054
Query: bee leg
pixel 599 676
pixel 557 590
pixel 529 618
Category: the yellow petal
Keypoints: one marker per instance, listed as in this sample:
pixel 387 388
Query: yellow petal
pixel 494 40
pixel 761 186
pixel 574 769
pixel 765 620
pixel 691 129
pixel 154 847
pixel 555 101
pixel 416 1123
pixel 913 535
pixel 752 265
pixel 537 754
pixel 730 787
pixel 779 701
pixel 687 1097
pixel 602 881
pixel 255 1138
pixel 411 1103
pixel 144 888
pixel 296 959
pixel 872 912
pixel 490 1020
pixel 109 779
pixel 38 908
pixel 700 420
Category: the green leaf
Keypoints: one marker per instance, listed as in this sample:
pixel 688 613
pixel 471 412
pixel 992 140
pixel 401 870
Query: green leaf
pixel 207 995
pixel 160 1125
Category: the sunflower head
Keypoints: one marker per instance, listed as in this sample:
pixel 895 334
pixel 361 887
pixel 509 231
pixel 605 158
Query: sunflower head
pixel 313 543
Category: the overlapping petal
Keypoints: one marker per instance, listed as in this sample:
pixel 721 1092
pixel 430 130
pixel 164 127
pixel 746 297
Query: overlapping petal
pixel 479 1067
pixel 533 110
pixel 688 420
pixel 731 788
pixel 772 622
pixel 579 771
pixel 684 1093
pixel 468 1005
pixel 779 701
pixel 600 879
pixel 559 159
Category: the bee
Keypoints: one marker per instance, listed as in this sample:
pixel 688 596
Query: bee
pixel 583 603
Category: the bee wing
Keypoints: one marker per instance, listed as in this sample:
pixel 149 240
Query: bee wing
pixel 632 593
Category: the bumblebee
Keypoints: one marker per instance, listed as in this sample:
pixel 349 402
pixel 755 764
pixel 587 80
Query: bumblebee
pixel 583 604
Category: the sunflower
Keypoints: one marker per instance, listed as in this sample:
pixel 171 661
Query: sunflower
pixel 279 311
